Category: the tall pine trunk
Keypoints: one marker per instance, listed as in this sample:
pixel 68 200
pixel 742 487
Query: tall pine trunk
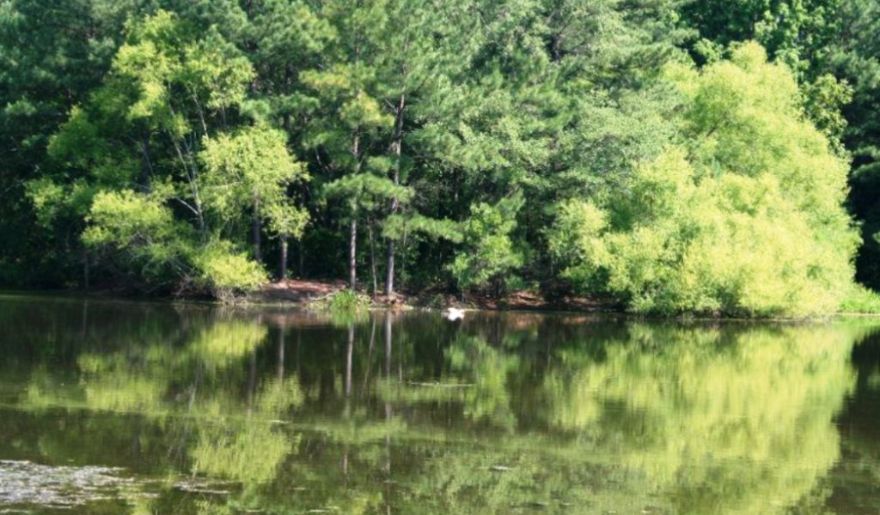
pixel 256 230
pixel 282 259
pixel 352 255
pixel 352 243
pixel 373 275
pixel 389 279
pixel 397 149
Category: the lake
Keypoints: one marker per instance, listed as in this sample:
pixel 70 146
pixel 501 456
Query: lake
pixel 130 407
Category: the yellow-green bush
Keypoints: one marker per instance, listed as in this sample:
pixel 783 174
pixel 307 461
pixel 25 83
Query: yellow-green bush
pixel 140 231
pixel 226 271
pixel 742 216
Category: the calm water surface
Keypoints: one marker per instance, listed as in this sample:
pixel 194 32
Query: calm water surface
pixel 123 407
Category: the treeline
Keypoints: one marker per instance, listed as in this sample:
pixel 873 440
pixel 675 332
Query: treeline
pixel 677 156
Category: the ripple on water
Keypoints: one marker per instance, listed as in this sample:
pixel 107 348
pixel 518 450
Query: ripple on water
pixel 24 483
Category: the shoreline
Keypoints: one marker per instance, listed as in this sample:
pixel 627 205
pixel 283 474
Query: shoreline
pixel 303 294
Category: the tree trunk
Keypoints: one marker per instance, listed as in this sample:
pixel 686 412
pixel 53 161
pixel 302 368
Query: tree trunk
pixel 349 352
pixel 281 345
pixel 300 259
pixel 373 259
pixel 352 255
pixel 282 259
pixel 397 149
pixel 388 344
pixel 389 276
pixel 352 244
pixel 256 230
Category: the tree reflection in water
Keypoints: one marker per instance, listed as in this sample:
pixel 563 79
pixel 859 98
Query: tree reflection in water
pixel 410 413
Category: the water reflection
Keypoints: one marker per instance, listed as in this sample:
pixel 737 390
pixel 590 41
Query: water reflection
pixel 213 411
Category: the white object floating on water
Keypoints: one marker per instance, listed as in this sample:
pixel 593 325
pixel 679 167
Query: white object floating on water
pixel 453 314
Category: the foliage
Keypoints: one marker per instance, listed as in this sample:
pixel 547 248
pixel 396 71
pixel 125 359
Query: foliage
pixel 747 221
pixel 343 303
pixel 861 300
pixel 434 143
pixel 137 227
pixel 489 253
pixel 226 271
pixel 251 169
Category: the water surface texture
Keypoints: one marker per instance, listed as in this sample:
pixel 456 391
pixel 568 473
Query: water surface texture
pixel 125 407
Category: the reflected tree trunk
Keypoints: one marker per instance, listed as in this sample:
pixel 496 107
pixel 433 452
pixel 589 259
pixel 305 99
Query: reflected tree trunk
pixel 85 319
pixel 298 344
pixel 281 354
pixel 369 361
pixel 388 411
pixel 252 381
pixel 387 344
pixel 349 352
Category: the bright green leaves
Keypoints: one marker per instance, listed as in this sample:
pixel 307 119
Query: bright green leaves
pixel 748 221
pixel 489 255
pixel 216 70
pixel 164 57
pixel 141 230
pixel 249 172
pixel 745 118
pixel 286 220
pixel 225 270
pixel 361 110
pixel 823 100
pixel 251 167
pixel 154 137
pixel 125 219
pixel 417 120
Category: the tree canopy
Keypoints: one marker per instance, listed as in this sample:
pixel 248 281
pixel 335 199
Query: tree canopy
pixel 676 156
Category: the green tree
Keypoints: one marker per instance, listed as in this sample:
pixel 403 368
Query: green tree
pixel 250 171
pixel 490 254
pixel 43 76
pixel 156 135
pixel 692 229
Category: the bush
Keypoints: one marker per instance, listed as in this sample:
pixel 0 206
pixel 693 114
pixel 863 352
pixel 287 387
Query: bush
pixel 861 300
pixel 227 272
pixel 489 255
pixel 743 216
pixel 140 233
pixel 343 301
pixel 143 235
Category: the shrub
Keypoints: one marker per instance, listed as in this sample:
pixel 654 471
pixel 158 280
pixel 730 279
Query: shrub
pixel 489 255
pixel 743 216
pixel 227 272
pixel 861 300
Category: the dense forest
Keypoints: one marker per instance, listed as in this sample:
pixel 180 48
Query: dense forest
pixel 712 156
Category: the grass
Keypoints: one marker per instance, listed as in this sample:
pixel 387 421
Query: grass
pixel 342 301
pixel 861 300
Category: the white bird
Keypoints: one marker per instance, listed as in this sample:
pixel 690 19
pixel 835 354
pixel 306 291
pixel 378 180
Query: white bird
pixel 453 314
